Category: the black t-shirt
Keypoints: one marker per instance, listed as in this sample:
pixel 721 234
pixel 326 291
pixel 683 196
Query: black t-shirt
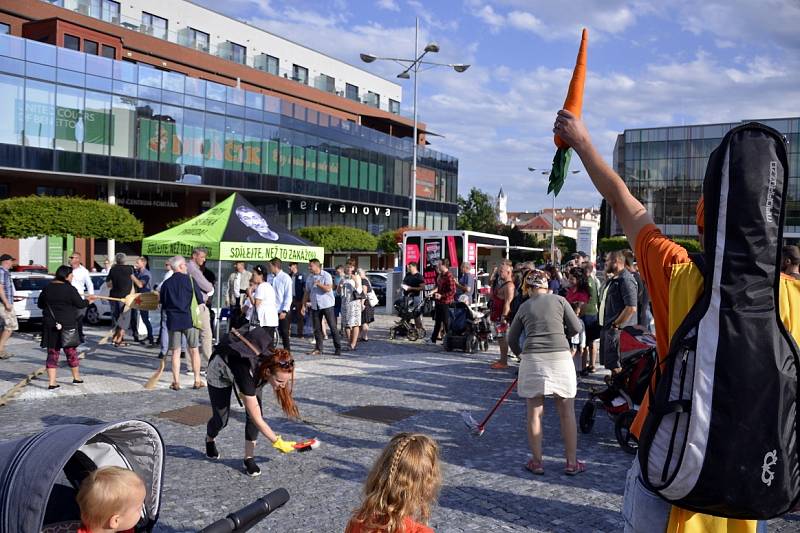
pixel 120 278
pixel 242 373
pixel 414 281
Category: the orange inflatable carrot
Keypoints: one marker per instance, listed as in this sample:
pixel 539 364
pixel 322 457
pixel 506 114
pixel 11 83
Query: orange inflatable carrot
pixel 574 101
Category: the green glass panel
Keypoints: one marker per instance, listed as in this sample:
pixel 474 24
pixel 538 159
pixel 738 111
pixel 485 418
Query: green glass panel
pixel 323 169
pixel 373 177
pixel 270 162
pixel 354 173
pixel 252 155
pixel 298 162
pixel 344 171
pixel 286 160
pixel 363 175
pixel 311 164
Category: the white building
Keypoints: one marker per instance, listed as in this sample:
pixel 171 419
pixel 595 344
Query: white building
pixel 501 204
pixel 188 24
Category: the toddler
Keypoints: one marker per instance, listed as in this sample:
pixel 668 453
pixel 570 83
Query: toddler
pixel 111 500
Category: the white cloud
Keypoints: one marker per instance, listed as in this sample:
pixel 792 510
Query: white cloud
pixel 389 5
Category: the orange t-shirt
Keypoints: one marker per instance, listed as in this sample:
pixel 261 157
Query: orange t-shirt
pixel 409 526
pixel 655 255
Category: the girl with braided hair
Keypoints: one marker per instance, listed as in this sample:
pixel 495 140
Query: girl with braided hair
pixel 244 365
pixel 401 488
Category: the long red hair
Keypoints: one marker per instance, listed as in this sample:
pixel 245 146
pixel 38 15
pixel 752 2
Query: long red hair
pixel 270 366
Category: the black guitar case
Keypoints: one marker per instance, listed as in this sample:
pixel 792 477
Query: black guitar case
pixel 721 435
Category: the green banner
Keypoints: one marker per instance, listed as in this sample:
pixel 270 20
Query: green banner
pixel 46 119
pixel 169 248
pixel 249 251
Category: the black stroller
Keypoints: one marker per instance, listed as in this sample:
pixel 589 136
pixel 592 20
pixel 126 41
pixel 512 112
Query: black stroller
pixel 40 475
pixel 621 397
pixel 408 308
pixel 468 330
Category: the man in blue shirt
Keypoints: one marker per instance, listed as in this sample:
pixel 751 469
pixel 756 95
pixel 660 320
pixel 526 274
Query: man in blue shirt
pixel 465 285
pixel 141 279
pixel 319 295
pixel 7 313
pixel 282 284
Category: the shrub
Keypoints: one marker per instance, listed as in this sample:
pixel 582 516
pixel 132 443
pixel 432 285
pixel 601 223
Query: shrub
pixel 340 238
pixel 39 216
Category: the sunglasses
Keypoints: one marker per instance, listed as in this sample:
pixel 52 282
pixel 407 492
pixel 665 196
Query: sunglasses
pixel 286 364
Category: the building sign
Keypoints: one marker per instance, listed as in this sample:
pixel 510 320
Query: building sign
pixel 412 254
pixel 472 253
pixel 145 202
pixel 587 241
pixel 66 124
pixel 244 251
pixel 329 207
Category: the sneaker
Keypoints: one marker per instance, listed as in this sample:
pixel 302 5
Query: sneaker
pixel 315 352
pixel 5 355
pixel 251 468
pixel 513 357
pixel 211 450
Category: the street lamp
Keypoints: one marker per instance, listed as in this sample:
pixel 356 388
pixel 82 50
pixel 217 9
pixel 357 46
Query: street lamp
pixel 413 65
pixel 552 217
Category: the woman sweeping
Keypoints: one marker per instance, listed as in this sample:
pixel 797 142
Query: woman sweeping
pixel 352 303
pixel 244 365
pixel 59 302
pixel 546 367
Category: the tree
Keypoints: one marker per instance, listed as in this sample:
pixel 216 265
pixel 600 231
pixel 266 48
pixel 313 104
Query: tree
pixel 477 212
pixel 691 245
pixel 178 221
pixel 387 242
pixel 39 216
pixel 517 237
pixel 610 244
pixel 340 238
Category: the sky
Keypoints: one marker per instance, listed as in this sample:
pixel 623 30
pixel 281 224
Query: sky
pixel 650 63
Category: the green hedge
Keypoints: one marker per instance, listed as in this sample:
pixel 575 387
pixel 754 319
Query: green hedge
pixel 39 216
pixel 691 245
pixel 387 242
pixel 610 244
pixel 340 238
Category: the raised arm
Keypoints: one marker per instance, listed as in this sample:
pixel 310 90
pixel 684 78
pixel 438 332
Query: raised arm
pixel 629 211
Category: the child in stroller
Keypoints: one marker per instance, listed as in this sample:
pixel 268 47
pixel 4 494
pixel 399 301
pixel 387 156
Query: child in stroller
pixel 468 330
pixel 409 308
pixel 621 397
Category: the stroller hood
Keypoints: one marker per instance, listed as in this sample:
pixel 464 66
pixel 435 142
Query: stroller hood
pixel 32 465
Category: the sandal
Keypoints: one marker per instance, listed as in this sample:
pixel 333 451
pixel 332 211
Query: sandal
pixel 574 470
pixel 198 385
pixel 175 386
pixel 497 365
pixel 535 468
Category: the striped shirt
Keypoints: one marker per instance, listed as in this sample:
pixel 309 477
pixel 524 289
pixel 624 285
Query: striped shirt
pixel 8 286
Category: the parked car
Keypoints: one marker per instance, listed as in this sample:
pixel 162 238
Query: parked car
pixel 378 280
pixel 27 287
pixel 36 269
pixel 98 310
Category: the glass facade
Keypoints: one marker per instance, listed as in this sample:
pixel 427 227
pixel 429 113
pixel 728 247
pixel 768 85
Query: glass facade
pixel 664 168
pixel 85 114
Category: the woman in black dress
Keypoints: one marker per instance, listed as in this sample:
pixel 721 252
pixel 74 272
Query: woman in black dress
pixel 368 313
pixel 59 302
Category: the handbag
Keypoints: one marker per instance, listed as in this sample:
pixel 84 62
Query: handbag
pixel 372 298
pixel 69 337
pixel 195 308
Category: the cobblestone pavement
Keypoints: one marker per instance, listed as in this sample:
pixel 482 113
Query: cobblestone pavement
pixel 485 485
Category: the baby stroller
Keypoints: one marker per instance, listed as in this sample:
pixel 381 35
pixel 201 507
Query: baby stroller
pixel 40 476
pixel 620 399
pixel 408 308
pixel 468 329
pixel 41 473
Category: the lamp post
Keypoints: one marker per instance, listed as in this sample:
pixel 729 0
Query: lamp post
pixel 552 218
pixel 413 65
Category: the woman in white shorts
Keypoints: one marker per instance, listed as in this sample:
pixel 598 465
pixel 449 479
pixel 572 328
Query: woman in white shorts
pixel 546 367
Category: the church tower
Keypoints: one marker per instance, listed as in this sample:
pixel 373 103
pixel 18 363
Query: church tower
pixel 501 204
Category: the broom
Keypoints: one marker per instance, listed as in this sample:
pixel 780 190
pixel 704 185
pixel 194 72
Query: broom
pixel 143 301
pixel 473 425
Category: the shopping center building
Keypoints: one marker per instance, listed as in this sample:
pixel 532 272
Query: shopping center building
pixel 664 169
pixel 166 107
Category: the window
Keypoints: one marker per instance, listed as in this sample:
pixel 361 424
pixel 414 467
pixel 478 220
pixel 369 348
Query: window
pixel 5 29
pixel 326 83
pixel 153 25
pixel 394 106
pixel 237 53
pixel 267 63
pixel 373 99
pixel 72 42
pixel 300 74
pixel 351 92
pixel 109 51
pixel 90 47
pixel 109 10
pixel 197 39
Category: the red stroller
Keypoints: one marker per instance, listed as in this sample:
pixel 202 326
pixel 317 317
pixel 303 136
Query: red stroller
pixel 621 398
